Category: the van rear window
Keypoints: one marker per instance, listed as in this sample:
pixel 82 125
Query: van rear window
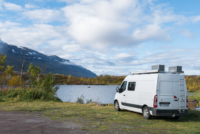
pixel 131 86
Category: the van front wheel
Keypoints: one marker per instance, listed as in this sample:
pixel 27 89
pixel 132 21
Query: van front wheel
pixel 117 106
pixel 146 113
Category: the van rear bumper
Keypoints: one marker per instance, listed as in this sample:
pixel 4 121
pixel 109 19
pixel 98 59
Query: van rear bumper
pixel 167 112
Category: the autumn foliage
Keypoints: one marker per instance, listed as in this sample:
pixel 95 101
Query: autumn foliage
pixel 193 83
pixel 15 81
pixel 99 80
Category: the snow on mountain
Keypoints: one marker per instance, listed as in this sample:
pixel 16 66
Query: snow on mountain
pixel 68 63
pixel 31 53
pixel 71 63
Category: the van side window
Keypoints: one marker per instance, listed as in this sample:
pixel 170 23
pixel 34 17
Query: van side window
pixel 123 87
pixel 131 86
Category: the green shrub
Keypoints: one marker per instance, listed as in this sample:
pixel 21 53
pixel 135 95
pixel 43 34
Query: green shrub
pixel 89 101
pixel 29 94
pixel 80 100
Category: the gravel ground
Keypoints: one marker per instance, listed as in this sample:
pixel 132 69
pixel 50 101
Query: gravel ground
pixel 17 122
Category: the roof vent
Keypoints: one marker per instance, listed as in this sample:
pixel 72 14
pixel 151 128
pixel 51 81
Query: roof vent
pixel 176 69
pixel 160 68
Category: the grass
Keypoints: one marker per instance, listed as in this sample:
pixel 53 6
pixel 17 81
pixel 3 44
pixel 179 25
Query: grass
pixel 98 119
pixel 104 119
pixel 195 95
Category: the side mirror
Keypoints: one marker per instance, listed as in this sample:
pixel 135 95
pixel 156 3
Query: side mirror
pixel 117 89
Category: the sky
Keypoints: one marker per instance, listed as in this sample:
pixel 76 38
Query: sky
pixel 111 37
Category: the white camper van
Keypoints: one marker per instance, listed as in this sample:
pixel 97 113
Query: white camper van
pixel 154 93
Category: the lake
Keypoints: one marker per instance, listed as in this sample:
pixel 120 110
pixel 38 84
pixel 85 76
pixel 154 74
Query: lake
pixel 98 93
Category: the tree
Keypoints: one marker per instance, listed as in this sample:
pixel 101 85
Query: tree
pixel 43 67
pixel 34 71
pixel 3 81
pixel 15 81
pixel 47 84
pixel 2 62
pixel 69 78
pixel 23 62
pixel 9 70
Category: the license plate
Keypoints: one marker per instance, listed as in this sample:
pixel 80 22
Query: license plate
pixel 164 105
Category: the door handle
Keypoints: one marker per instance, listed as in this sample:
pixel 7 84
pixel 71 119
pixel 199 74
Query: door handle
pixel 124 95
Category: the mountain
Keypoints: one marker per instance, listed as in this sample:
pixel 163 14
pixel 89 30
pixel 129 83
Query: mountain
pixel 55 64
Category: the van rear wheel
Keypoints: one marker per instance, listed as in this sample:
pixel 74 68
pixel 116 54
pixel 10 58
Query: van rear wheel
pixel 176 117
pixel 146 113
pixel 117 108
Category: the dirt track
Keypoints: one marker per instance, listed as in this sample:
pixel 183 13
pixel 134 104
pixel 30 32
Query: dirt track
pixel 20 123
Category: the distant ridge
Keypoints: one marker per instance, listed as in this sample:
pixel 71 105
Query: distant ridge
pixel 55 63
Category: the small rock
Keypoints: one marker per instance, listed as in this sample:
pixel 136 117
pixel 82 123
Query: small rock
pixel 126 126
pixel 94 126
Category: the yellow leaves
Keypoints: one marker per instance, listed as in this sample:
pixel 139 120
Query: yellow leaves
pixel 193 83
pixel 9 70
pixel 15 81
pixel 70 76
pixel 2 61
pixel 81 79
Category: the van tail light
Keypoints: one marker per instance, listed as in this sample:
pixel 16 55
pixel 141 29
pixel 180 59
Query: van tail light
pixel 155 101
pixel 175 98
pixel 187 101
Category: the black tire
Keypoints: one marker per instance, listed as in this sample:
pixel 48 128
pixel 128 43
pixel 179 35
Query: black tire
pixel 116 105
pixel 176 117
pixel 146 113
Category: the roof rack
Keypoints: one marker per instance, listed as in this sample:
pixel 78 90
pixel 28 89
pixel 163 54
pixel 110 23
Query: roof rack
pixel 147 72
pixel 160 69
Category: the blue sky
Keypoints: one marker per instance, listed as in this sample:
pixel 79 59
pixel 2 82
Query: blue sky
pixel 111 37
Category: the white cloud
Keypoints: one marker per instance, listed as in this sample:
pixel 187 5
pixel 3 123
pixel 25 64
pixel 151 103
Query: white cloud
pixel 71 48
pixel 43 15
pixel 1 4
pixel 1 41
pixel 188 34
pixel 195 18
pixel 32 36
pixel 122 55
pixel 101 35
pixel 151 32
pixel 8 24
pixel 30 6
pixel 12 6
pixel 74 1
pixel 101 24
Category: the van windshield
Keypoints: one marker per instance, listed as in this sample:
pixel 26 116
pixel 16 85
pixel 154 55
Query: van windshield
pixel 123 87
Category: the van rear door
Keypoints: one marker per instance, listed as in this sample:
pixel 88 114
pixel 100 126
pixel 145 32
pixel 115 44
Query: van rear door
pixel 179 91
pixel 165 96
pixel 172 92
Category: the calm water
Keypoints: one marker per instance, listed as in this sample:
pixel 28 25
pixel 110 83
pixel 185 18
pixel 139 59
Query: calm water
pixel 99 93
